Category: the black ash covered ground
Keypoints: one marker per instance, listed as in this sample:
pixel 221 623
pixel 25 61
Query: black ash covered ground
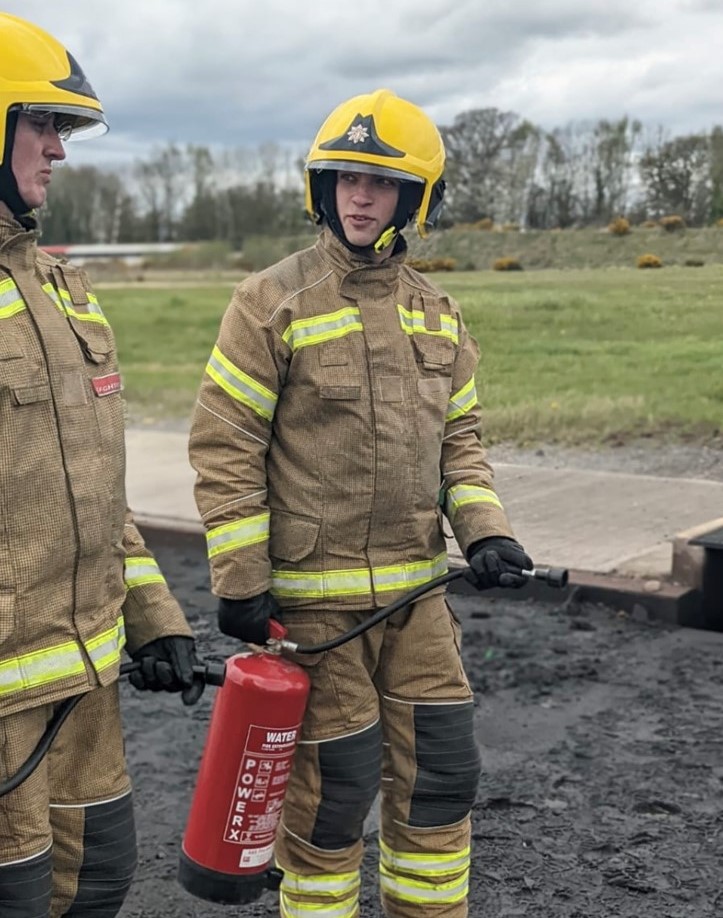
pixel 602 741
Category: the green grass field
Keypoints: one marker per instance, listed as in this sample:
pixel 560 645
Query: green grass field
pixel 575 357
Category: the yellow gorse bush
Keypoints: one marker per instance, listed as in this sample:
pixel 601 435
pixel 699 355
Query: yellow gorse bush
pixel 649 261
pixel 619 226
pixel 506 264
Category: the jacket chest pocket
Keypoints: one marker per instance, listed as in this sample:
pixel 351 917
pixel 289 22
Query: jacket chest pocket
pixel 13 364
pixel 18 372
pixel 96 343
pixel 434 355
pixel 338 379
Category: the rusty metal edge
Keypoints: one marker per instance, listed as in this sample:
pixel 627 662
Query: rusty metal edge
pixel 662 600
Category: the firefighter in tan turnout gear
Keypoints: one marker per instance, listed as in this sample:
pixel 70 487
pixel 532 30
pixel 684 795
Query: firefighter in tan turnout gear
pixel 76 581
pixel 337 423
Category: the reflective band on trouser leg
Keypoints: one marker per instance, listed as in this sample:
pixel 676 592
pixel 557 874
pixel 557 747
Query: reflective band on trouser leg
pixel 334 895
pixel 94 858
pixel 416 884
pixel 26 887
pixel 425 837
pixel 319 845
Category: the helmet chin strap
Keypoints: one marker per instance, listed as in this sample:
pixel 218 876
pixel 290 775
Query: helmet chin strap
pixel 409 198
pixel 9 192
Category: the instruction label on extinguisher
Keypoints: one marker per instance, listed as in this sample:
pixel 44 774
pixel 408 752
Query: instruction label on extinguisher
pixel 259 793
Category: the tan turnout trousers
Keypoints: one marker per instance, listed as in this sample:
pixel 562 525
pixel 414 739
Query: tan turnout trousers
pixel 390 709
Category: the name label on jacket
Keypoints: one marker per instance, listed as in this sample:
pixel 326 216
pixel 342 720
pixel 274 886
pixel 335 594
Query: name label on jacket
pixel 107 385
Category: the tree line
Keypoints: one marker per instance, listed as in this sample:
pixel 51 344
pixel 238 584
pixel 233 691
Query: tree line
pixel 500 168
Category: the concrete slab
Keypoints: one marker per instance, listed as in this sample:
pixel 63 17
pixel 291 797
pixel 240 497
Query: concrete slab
pixel 602 522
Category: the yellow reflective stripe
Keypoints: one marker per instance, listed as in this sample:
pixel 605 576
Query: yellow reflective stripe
pixel 240 385
pixel 140 571
pixel 463 401
pixel 423 891
pixel 105 649
pixel 237 534
pixel 412 321
pixel 64 303
pixel 337 885
pixel 35 669
pixel 291 909
pixel 407 576
pixel 11 303
pixel 340 889
pixel 321 584
pixel 459 495
pixel 304 332
pixel 431 864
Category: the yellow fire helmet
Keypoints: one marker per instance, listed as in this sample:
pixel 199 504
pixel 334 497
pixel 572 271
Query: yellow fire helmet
pixel 37 74
pixel 385 135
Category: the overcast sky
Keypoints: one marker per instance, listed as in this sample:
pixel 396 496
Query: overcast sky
pixel 240 73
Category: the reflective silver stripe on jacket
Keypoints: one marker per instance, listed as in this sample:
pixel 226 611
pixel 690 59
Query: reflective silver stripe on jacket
pixel 459 495
pixel 390 578
pixel 240 385
pixel 463 401
pixel 304 332
pixel 141 570
pixel 237 534
pixel 11 303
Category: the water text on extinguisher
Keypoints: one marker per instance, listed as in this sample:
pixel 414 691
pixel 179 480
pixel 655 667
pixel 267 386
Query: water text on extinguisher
pixel 263 774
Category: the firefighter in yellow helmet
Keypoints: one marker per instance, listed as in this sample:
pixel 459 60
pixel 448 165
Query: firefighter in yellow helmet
pixel 337 423
pixel 76 580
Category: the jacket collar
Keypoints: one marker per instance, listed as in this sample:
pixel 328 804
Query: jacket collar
pixel 18 246
pixel 356 271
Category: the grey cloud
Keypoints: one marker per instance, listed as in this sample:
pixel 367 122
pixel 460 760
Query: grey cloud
pixel 233 72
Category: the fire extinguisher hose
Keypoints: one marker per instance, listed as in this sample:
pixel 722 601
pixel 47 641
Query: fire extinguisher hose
pixel 552 576
pixel 212 673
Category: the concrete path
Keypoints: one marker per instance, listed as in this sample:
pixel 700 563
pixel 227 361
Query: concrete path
pixel 602 522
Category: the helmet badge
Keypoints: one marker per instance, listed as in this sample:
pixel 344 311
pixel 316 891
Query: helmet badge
pixel 361 137
pixel 357 133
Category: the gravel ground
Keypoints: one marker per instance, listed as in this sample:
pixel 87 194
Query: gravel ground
pixel 602 743
pixel 641 458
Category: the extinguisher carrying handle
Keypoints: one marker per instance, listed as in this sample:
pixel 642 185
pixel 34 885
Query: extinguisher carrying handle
pixel 552 576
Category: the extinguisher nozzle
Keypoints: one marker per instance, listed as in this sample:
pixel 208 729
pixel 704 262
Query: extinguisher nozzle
pixel 225 888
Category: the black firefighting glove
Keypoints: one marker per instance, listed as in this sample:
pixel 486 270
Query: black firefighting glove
pixel 497 561
pixel 166 665
pixel 248 619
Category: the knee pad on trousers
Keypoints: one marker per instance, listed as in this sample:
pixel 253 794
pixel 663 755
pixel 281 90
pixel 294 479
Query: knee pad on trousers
pixel 350 772
pixel 109 860
pixel 448 765
pixel 26 887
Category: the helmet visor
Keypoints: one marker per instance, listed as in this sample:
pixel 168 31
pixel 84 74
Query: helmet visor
pixel 346 165
pixel 72 122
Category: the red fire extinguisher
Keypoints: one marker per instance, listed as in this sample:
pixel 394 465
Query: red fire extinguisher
pixel 228 845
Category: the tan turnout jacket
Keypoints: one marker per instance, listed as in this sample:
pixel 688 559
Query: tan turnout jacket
pixel 76 581
pixel 337 420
